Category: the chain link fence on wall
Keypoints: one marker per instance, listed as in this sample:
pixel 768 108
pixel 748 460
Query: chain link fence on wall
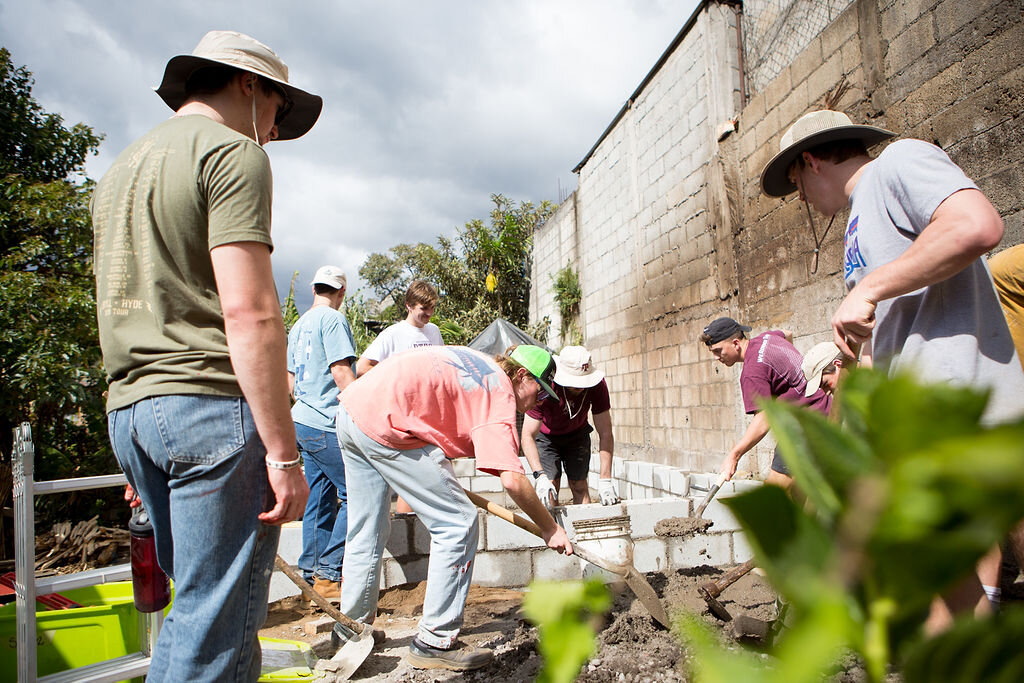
pixel 776 31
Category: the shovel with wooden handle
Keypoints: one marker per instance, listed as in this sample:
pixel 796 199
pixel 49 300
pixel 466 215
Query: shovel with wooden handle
pixel 356 649
pixel 707 498
pixel 634 579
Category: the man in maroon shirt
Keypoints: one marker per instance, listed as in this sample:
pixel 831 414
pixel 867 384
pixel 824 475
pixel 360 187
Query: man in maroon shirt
pixel 556 434
pixel 771 369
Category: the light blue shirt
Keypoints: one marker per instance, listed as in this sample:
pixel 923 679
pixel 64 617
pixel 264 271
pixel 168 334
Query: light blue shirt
pixel 320 338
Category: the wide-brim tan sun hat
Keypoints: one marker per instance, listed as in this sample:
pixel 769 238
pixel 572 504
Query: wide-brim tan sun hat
pixel 230 48
pixel 573 368
pixel 815 361
pixel 810 130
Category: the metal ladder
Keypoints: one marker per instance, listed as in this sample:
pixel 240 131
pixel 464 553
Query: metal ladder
pixel 27 586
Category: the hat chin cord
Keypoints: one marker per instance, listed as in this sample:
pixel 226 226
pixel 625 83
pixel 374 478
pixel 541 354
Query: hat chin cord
pixel 814 233
pixel 255 133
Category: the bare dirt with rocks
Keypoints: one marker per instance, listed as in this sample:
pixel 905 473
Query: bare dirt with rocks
pixel 631 647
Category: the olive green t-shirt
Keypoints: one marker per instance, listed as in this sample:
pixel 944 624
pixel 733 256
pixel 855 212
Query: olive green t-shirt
pixel 187 186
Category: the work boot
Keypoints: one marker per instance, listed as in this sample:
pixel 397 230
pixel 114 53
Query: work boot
pixel 461 657
pixel 329 590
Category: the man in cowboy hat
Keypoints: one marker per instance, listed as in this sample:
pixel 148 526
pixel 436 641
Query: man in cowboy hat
pixel 556 435
pixel 194 346
pixel 920 298
pixel 919 292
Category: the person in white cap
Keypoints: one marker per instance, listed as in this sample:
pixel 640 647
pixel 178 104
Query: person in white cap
pixel 194 346
pixel 821 368
pixel 321 362
pixel 556 435
pixel 920 298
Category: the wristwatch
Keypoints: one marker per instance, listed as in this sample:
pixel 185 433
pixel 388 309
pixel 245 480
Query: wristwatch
pixel 537 473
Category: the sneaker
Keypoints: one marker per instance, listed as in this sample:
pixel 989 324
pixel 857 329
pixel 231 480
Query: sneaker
pixel 329 590
pixel 461 657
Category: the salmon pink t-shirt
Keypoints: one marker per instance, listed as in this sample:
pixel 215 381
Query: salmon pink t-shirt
pixel 452 397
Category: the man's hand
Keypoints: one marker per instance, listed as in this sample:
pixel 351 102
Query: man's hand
pixel 545 491
pixel 853 322
pixel 609 493
pixel 129 495
pixel 290 494
pixel 558 540
pixel 729 467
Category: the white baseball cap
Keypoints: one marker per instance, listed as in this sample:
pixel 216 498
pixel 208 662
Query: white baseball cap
pixel 332 276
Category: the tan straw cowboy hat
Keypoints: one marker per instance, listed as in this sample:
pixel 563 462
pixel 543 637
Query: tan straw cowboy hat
pixel 230 48
pixel 810 130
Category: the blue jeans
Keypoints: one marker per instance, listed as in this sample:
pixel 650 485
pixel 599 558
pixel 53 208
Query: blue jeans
pixel 425 479
pixel 197 464
pixel 325 523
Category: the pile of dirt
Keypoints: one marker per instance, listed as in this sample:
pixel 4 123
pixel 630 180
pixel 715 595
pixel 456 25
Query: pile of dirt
pixel 631 646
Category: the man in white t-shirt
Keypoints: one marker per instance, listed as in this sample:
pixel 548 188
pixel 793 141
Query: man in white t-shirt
pixel 415 331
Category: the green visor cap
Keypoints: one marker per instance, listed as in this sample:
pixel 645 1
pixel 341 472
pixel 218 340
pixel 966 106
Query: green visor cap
pixel 538 363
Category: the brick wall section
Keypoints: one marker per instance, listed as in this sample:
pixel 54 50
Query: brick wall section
pixel 671 229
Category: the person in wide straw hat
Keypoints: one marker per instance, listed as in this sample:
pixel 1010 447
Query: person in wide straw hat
pixel 556 435
pixel 194 346
pixel 920 298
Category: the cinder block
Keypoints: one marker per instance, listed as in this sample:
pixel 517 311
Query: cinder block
pixel 290 545
pixel 420 538
pixel 744 485
pixel 465 482
pixel 486 483
pixel 702 481
pixel 573 513
pixel 663 479
pixel 618 468
pixel 644 474
pixel 549 565
pixel 410 570
pixel 464 467
pixel 281 587
pixel 721 516
pixel 700 549
pixel 506 569
pixel 632 473
pixel 679 483
pixel 643 515
pixel 398 540
pixel 741 550
pixel 311 628
pixel 650 554
pixel 502 535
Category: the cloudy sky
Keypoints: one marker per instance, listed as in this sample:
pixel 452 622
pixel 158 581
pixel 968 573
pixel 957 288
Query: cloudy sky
pixel 429 107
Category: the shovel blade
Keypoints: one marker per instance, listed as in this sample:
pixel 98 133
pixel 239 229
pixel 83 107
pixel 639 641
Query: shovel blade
pixel 642 589
pixel 352 654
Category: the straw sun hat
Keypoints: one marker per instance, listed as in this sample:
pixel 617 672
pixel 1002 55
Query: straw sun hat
pixel 810 130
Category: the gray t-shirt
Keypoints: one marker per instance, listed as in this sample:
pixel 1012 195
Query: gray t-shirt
pixel 953 330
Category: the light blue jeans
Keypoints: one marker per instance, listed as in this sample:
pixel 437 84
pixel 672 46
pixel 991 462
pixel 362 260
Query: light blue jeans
pixel 425 479
pixel 197 464
pixel 325 522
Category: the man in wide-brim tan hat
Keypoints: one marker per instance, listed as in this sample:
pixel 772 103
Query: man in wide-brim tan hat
pixel 194 346
pixel 920 298
pixel 556 434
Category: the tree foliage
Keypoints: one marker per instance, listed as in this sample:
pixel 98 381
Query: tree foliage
pixel 459 269
pixel 49 350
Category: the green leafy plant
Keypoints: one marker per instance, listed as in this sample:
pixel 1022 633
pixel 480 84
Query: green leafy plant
pixel 565 613
pixel 568 294
pixel 903 499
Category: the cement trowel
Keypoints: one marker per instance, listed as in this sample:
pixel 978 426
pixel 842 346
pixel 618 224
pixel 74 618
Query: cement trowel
pixel 634 579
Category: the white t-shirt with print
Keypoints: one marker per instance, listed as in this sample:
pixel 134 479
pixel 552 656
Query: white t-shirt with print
pixel 402 336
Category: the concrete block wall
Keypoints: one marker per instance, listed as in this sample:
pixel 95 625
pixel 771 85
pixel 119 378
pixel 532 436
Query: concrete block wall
pixel 510 557
pixel 670 229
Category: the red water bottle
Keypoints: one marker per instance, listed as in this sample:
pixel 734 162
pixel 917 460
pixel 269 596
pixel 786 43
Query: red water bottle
pixel 152 588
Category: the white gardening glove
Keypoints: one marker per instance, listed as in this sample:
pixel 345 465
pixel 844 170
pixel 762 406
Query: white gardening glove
pixel 609 493
pixel 545 491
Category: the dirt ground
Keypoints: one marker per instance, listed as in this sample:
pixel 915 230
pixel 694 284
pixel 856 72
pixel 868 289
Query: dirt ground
pixel 631 647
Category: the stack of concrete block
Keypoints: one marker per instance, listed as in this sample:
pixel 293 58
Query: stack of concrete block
pixel 510 557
